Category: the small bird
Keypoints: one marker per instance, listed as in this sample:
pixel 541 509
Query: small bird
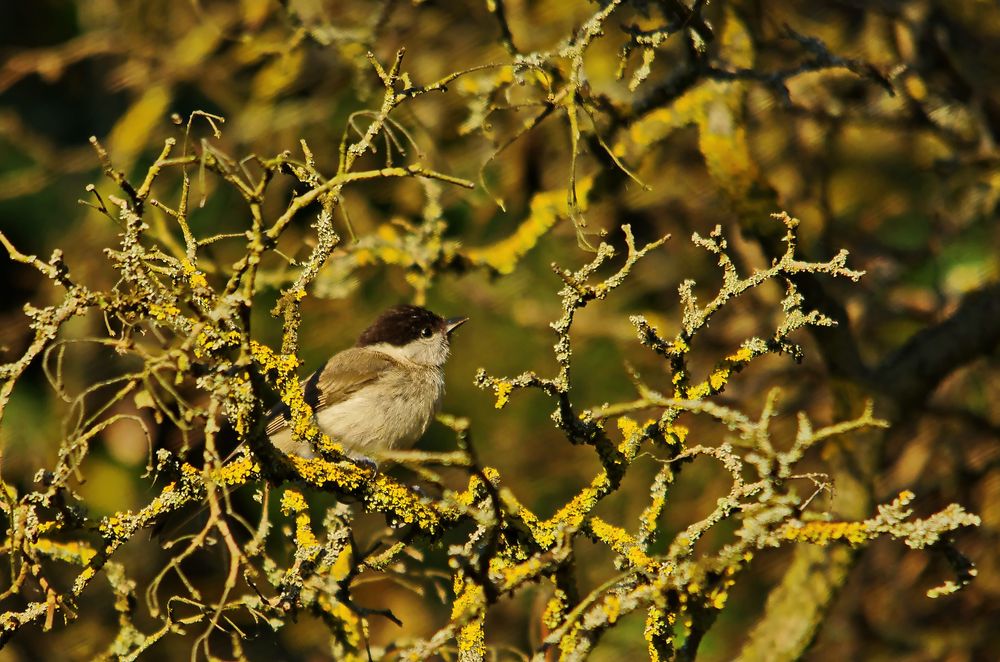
pixel 380 394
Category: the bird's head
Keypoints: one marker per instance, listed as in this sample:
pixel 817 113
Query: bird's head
pixel 411 333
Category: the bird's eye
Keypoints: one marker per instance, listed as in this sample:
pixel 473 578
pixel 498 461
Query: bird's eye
pixel 427 332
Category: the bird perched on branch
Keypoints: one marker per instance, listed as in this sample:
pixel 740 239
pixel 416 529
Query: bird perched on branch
pixel 380 394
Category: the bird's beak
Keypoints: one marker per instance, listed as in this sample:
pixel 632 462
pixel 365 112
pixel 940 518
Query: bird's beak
pixel 453 323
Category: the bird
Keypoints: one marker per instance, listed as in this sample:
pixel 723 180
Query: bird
pixel 381 394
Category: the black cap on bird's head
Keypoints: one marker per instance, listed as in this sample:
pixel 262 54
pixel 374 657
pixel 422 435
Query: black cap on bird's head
pixel 401 325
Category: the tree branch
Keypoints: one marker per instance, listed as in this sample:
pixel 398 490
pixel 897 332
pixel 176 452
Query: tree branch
pixel 912 372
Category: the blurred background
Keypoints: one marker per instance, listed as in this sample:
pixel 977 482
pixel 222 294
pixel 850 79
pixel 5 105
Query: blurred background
pixel 907 182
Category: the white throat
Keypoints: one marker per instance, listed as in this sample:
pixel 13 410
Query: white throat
pixel 428 352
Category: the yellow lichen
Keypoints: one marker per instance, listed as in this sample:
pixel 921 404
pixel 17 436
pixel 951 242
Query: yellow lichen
pixel 516 574
pixel 657 629
pixel 675 434
pixel 742 355
pixel 118 525
pixel 546 209
pixel 46 527
pixel 303 426
pixel 627 426
pixel 379 492
pixel 208 342
pixel 632 436
pixel 612 608
pixel 715 107
pixel 78 553
pixel 293 503
pixel 717 599
pixel 350 624
pixel 823 533
pixel 555 610
pixel 196 279
pixel 238 472
pixel 161 313
pixel 84 578
pixel 699 392
pixel 717 380
pixel 651 514
pixel 503 390
pixel 624 544
pixel 571 516
pixel 568 643
pixel 342 565
pixel 469 609
pixel 476 489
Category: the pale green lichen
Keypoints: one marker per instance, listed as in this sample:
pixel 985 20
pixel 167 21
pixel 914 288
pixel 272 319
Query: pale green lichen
pixel 892 520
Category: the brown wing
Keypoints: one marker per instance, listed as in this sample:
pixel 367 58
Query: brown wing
pixel 344 374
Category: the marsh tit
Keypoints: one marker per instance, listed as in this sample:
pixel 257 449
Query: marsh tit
pixel 380 394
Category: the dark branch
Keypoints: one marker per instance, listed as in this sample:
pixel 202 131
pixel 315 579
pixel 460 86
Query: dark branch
pixel 914 370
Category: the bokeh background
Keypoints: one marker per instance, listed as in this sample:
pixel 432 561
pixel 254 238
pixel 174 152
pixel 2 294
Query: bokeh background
pixel 907 182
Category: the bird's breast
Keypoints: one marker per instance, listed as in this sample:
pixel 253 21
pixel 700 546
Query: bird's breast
pixel 394 412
